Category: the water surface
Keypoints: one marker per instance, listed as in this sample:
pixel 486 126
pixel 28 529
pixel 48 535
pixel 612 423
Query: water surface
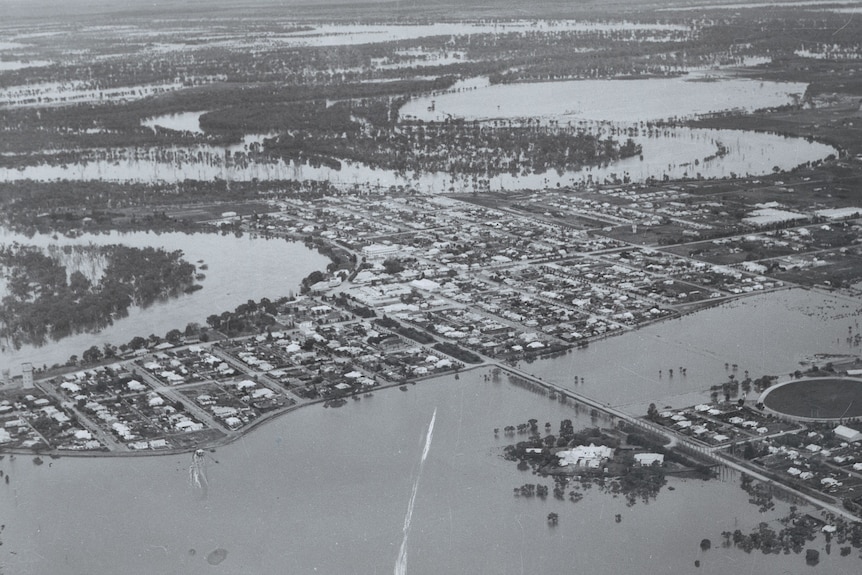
pixel 239 269
pixel 619 100
pixel 326 491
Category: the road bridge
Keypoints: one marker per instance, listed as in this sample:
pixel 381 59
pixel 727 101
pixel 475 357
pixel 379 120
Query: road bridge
pixel 684 443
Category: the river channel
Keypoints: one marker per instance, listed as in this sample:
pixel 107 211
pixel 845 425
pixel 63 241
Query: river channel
pixel 328 490
pixel 598 105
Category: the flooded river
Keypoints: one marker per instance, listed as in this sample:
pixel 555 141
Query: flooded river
pixel 326 491
pixel 606 107
pixel 239 269
pixel 673 152
pixel 620 100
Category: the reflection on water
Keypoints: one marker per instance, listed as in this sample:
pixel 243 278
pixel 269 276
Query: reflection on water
pixel 239 269
pixel 673 152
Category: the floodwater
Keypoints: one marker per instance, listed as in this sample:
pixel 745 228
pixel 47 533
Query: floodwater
pixel 56 93
pixel 675 152
pixel 768 334
pixel 621 100
pixel 239 269
pixel 11 65
pixel 354 34
pixel 808 4
pixel 326 490
pixel 182 122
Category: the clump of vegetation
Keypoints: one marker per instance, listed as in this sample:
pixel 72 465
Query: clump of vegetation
pixel 315 132
pixel 457 352
pixel 793 532
pixel 67 290
pixel 618 476
pixel 760 494
pixel 249 317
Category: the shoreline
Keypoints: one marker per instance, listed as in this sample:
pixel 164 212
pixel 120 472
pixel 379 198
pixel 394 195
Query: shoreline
pixel 230 438
pixel 487 363
pixel 683 443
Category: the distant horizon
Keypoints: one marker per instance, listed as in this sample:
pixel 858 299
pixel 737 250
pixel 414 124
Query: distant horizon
pixel 22 11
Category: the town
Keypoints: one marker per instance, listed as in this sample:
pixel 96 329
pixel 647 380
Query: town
pixel 421 286
pixel 298 241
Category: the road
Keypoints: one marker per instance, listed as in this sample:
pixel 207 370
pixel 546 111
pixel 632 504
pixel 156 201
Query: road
pixel 710 452
pixel 98 432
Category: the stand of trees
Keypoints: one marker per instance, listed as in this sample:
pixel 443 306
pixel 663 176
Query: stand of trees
pixel 46 301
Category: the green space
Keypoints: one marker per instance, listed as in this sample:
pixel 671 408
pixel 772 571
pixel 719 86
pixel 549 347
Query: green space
pixel 828 398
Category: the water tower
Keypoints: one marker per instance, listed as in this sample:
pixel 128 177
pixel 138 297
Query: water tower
pixel 27 375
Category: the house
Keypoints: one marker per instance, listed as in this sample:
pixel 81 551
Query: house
pixel 647 459
pixel 390 343
pixel 134 385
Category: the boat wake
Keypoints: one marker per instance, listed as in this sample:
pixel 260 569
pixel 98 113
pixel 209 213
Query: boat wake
pixel 198 472
pixel 401 562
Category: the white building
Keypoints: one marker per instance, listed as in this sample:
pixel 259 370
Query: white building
pixel 380 251
pixel 590 456
pixel 847 434
pixel 647 459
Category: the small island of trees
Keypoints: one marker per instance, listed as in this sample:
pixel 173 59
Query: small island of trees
pixel 61 291
pixel 620 475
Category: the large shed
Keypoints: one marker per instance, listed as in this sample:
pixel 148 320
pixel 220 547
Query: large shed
pixel 847 434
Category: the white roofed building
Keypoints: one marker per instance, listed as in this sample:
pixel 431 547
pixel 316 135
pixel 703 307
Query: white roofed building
pixel 590 456
pixel 647 459
pixel 380 251
pixel 847 434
